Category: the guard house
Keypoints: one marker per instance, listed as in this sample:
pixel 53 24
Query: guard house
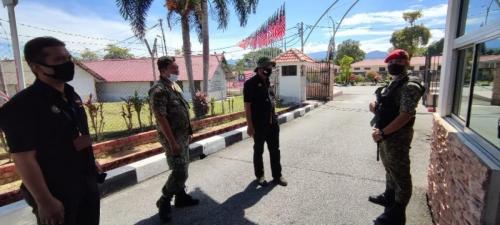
pixel 291 81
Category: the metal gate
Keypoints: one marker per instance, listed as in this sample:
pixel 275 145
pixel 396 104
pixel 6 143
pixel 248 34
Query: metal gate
pixel 319 78
pixel 430 77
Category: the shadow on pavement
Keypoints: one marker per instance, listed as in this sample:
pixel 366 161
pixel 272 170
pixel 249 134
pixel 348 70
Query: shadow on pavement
pixel 231 211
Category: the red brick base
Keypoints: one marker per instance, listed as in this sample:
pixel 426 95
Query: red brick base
pixel 458 180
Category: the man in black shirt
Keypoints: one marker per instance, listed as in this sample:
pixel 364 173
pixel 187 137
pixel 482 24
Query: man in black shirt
pixel 262 121
pixel 48 138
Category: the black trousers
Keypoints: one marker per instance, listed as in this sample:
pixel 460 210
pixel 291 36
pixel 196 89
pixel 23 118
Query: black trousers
pixel 82 207
pixel 269 135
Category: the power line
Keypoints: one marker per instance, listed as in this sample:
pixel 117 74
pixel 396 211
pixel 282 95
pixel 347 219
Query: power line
pixel 60 32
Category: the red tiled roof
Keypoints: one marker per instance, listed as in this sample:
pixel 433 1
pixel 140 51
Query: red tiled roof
pixel 293 55
pixel 127 70
pixel 420 60
pixel 489 58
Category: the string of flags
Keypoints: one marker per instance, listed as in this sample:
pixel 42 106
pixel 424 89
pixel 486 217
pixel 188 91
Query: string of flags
pixel 272 30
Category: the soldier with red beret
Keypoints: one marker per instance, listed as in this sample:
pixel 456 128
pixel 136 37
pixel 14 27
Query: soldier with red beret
pixel 395 111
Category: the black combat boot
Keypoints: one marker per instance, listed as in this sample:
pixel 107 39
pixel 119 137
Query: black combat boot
pixel 395 215
pixel 182 199
pixel 385 199
pixel 164 209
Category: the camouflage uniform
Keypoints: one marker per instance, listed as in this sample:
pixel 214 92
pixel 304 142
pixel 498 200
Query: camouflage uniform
pixel 395 148
pixel 166 100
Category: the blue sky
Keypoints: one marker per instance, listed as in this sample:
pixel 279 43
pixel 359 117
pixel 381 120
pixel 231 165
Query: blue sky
pixel 94 23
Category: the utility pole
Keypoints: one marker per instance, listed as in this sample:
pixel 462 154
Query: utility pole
pixel 11 4
pixel 331 47
pixel 152 52
pixel 301 31
pixel 163 38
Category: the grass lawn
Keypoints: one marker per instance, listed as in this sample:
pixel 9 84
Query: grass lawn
pixel 115 125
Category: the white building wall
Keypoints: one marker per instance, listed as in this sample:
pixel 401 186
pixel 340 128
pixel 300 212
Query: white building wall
pixel 217 85
pixel 114 91
pixel 84 83
pixel 292 89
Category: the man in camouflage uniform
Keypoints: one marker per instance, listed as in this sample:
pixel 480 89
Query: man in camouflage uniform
pixel 395 110
pixel 174 131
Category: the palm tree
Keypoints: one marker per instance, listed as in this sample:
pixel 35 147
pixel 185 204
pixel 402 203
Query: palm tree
pixel 191 13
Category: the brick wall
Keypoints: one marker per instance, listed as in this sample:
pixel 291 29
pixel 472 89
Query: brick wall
pixel 458 180
pixel 216 120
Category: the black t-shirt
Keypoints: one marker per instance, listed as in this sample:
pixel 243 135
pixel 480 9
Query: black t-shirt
pixel 259 93
pixel 38 118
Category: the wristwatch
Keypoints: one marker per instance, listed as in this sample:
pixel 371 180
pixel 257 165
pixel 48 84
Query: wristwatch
pixel 381 132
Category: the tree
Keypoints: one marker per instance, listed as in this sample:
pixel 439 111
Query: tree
pixel 436 48
pixel 191 13
pixel 350 48
pixel 115 52
pixel 411 37
pixel 240 66
pixel 373 76
pixel 411 17
pixel 206 43
pixel 87 54
pixel 250 59
pixel 345 68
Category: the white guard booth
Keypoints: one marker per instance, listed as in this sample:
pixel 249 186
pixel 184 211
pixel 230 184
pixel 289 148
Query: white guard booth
pixel 291 78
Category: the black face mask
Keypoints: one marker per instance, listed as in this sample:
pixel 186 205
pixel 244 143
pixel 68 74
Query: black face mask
pixel 268 72
pixel 396 69
pixel 63 72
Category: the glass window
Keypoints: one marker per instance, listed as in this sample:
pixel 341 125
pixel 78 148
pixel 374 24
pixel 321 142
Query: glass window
pixel 478 13
pixel 381 69
pixel 485 107
pixel 421 68
pixel 289 71
pixel 357 68
pixel 463 81
pixel 367 68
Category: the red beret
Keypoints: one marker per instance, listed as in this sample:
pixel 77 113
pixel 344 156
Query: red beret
pixel 397 54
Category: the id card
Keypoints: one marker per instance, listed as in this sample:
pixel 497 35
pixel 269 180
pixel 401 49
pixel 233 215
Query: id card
pixel 82 142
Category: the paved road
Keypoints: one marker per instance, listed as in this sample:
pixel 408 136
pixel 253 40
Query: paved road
pixel 328 158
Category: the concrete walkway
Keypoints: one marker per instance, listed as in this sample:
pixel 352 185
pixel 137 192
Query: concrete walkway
pixel 328 158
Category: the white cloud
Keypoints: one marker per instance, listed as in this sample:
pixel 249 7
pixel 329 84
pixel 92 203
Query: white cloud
pixel 379 44
pixel 315 47
pixel 102 31
pixel 363 31
pixel 379 26
pixel 394 17
pixel 436 35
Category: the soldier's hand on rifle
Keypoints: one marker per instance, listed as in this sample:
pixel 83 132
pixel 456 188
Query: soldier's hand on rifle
pixel 372 106
pixel 376 135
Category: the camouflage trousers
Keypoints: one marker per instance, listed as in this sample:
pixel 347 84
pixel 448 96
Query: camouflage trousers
pixel 395 155
pixel 178 166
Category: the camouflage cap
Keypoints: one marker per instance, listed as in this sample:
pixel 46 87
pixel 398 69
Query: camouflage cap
pixel 265 61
